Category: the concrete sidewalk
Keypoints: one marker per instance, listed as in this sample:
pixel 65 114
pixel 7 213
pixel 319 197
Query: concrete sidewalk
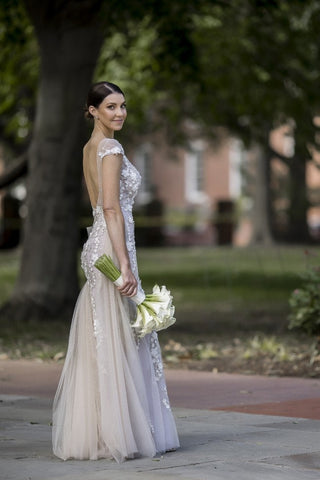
pixel 215 445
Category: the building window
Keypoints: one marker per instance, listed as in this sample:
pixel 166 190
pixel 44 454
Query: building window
pixel 288 145
pixel 195 176
pixel 143 162
pixel 237 158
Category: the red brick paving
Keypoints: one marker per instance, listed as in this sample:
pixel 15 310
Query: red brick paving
pixel 307 408
pixel 292 397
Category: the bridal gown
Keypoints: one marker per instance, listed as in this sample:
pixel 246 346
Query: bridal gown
pixel 111 400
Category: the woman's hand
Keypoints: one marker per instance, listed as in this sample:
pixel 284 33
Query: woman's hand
pixel 130 284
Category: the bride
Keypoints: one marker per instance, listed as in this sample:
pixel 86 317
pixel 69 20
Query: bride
pixel 111 400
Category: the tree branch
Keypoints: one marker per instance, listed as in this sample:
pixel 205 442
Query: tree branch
pixel 17 170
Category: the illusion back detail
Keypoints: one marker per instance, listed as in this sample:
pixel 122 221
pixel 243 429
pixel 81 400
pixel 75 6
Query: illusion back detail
pixel 112 399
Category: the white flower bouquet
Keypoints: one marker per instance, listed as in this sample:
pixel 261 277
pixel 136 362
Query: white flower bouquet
pixel 154 311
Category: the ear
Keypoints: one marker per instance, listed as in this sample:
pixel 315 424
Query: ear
pixel 93 111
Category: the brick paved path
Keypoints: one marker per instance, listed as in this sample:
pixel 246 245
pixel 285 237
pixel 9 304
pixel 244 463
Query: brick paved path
pixel 291 397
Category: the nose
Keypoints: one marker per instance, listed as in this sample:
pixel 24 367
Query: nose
pixel 119 112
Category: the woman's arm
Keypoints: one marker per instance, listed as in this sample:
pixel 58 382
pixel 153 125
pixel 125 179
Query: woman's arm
pixel 111 169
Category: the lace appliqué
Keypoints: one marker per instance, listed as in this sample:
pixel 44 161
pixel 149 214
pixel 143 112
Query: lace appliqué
pixel 156 356
pixel 89 255
pixel 130 180
pixel 116 150
pixel 109 146
pixel 166 403
pixel 158 369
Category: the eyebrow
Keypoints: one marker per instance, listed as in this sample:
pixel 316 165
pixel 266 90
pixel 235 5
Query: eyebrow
pixel 113 103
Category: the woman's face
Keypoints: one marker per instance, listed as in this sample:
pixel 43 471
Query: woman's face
pixel 111 112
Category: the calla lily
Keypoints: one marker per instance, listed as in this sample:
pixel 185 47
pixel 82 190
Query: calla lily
pixel 154 311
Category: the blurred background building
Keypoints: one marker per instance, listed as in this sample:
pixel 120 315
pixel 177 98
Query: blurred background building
pixel 200 195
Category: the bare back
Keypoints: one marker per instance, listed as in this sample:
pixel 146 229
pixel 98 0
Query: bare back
pixel 90 170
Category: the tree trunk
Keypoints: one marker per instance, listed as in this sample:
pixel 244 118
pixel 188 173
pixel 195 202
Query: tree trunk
pixel 48 284
pixel 298 231
pixel 262 203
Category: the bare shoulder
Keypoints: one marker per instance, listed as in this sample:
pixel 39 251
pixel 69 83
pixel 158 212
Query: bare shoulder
pixel 90 149
pixel 101 147
pixel 91 145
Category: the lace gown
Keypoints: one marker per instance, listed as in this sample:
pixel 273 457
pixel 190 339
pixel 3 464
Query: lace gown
pixel 111 400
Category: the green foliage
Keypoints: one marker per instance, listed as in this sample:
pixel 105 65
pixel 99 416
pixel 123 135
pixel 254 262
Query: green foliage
pixel 151 60
pixel 19 74
pixel 244 64
pixel 255 70
pixel 305 303
pixel 129 61
pixel 266 345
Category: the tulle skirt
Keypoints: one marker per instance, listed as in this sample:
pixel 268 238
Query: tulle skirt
pixel 111 401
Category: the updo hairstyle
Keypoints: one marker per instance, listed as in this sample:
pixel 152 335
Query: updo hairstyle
pixel 97 93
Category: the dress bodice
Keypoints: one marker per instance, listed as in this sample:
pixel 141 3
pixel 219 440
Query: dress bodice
pixel 130 178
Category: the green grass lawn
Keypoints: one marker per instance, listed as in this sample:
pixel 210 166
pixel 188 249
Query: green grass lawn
pixel 9 264
pixel 217 280
pixel 245 287
pixel 217 291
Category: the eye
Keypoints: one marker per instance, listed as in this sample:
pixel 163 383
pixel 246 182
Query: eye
pixel 124 106
pixel 110 107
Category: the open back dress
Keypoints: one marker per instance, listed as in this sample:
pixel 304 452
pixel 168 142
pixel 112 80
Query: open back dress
pixel 111 401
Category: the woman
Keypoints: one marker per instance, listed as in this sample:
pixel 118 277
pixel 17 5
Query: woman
pixel 111 400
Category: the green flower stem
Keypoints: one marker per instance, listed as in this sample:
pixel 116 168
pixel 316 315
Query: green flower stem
pixel 107 267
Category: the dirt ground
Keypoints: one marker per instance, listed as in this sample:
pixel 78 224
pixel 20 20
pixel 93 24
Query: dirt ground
pixel 230 351
pixel 258 354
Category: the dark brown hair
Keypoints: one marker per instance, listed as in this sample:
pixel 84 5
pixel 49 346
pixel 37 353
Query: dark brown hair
pixel 98 92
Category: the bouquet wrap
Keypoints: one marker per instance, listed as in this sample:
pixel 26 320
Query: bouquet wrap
pixel 138 298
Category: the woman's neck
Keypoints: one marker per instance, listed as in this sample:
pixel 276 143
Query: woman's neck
pixel 101 130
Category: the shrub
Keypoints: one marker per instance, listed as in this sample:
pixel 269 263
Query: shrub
pixel 305 303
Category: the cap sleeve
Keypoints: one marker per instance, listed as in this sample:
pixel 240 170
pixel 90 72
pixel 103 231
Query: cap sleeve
pixel 109 146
